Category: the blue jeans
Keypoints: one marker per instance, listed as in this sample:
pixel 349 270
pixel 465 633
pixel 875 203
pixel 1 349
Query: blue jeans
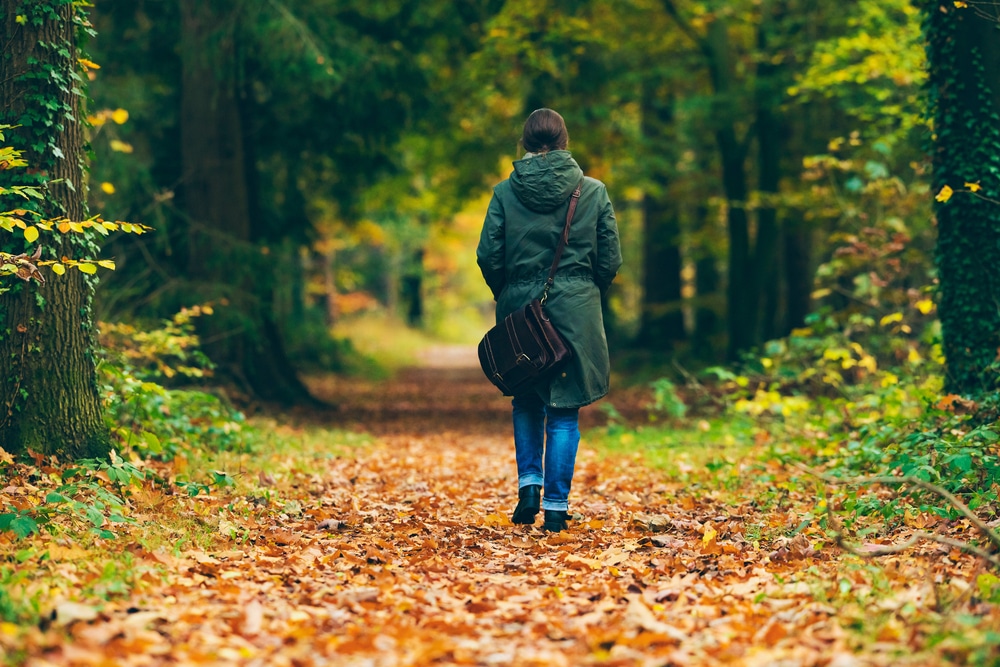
pixel 541 432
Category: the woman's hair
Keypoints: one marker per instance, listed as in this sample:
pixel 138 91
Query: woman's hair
pixel 545 130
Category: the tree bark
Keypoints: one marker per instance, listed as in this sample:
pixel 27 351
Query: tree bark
pixel 224 262
pixel 49 397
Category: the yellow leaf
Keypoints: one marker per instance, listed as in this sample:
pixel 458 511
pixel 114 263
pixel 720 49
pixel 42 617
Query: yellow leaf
pixel 88 64
pixel 120 116
pixel 889 319
pixel 31 234
pixel 961 4
pixel 97 120
pixel 63 227
pixel 914 357
pixel 925 306
pixel 108 188
pixel 86 267
pixel 121 146
pixel 974 187
pixel 76 227
pixel 868 363
pixel 58 269
pixel 710 534
pixel 110 226
pixel 945 194
pixel 107 264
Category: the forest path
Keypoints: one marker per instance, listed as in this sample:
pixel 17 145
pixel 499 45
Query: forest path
pixel 404 555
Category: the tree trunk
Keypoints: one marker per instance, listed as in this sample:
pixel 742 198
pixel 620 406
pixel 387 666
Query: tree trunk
pixel 740 297
pixel 732 153
pixel 963 54
pixel 662 320
pixel 224 262
pixel 330 285
pixel 49 398
pixel 768 92
pixel 707 293
pixel 798 276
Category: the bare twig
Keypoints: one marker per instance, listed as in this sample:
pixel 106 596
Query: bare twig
pixel 882 550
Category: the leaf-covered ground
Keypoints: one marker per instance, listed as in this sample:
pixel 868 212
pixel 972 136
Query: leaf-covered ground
pixel 402 553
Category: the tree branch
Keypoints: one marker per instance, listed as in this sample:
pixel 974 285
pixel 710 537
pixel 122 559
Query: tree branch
pixel 688 31
pixel 963 509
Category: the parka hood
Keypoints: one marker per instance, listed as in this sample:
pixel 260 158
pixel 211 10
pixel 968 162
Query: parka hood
pixel 545 181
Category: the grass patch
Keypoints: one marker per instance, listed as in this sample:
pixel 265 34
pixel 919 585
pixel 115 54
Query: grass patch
pixel 386 340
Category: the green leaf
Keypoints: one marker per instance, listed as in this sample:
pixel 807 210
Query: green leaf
pixel 94 517
pixel 152 443
pixel 23 526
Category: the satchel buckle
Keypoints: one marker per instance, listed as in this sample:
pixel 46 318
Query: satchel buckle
pixel 522 359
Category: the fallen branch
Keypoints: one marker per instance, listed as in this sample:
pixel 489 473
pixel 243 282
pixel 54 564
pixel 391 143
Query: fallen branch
pixel 882 550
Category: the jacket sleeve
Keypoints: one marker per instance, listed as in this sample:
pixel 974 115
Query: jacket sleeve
pixel 491 253
pixel 609 252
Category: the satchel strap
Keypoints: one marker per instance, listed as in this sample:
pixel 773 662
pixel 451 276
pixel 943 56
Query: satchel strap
pixel 574 198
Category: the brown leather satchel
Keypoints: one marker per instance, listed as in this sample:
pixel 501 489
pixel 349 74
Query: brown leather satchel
pixel 526 347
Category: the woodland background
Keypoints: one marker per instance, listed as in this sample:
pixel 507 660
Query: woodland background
pixel 805 328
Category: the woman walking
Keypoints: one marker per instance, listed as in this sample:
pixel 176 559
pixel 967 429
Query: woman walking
pixel 522 228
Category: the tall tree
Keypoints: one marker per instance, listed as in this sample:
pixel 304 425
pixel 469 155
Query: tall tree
pixel 662 320
pixel 215 189
pixel 49 400
pixel 963 53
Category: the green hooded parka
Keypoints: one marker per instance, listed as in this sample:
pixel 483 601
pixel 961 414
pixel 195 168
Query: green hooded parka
pixel 516 248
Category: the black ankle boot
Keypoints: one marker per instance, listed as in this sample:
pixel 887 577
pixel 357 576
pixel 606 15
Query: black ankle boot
pixel 555 520
pixel 530 500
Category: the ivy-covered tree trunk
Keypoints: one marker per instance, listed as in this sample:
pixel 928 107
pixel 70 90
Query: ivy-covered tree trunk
pixel 49 398
pixel 963 51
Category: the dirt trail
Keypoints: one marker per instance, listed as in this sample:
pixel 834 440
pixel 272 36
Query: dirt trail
pixel 405 556
pixel 445 393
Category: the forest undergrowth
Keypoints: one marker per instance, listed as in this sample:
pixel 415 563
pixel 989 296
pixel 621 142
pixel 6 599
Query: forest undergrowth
pixel 713 518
